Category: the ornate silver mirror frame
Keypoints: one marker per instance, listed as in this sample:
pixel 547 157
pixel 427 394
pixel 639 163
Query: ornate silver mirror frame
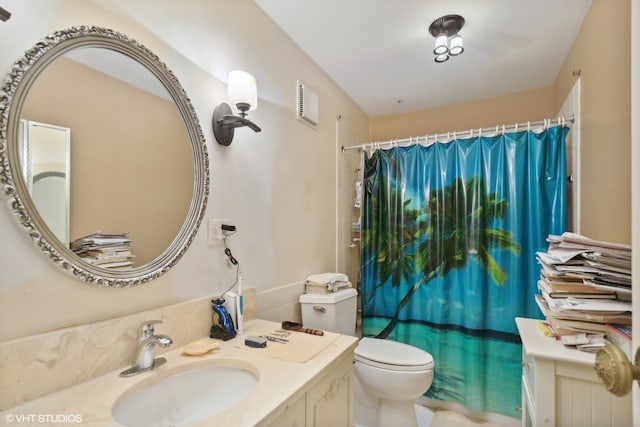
pixel 13 92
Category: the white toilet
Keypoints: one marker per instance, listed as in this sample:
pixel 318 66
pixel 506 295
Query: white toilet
pixel 389 374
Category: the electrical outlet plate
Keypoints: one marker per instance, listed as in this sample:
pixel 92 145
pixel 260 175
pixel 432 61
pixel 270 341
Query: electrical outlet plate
pixel 214 231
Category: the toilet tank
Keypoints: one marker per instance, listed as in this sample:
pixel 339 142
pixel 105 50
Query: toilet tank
pixel 333 312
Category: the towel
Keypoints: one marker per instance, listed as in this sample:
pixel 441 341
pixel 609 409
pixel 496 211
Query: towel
pixel 332 281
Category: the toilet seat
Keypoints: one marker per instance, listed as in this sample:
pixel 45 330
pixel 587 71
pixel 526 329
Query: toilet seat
pixel 392 355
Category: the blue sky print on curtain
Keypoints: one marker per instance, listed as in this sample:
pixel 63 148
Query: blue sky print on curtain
pixel 449 235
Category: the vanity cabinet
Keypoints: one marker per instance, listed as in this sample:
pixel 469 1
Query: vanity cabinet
pixel 293 416
pixel 560 387
pixel 328 402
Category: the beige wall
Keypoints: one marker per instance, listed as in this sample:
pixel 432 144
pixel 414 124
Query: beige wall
pixel 603 58
pixel 519 107
pixel 277 186
pixel 604 61
pixel 121 161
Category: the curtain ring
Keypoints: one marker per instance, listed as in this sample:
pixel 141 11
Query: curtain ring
pixel 454 135
pixel 503 129
pixel 528 126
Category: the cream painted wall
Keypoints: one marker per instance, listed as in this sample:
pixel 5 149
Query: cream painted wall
pixel 278 186
pixel 604 63
pixel 518 107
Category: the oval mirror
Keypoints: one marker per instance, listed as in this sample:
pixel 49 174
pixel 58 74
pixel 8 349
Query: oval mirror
pixel 102 159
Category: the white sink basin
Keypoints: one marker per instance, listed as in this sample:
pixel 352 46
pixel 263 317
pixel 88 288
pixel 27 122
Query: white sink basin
pixel 185 397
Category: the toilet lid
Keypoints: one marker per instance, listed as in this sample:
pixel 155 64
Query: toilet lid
pixel 393 355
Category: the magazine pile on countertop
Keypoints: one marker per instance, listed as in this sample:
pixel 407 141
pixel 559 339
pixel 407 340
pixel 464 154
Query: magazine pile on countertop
pixel 104 250
pixel 584 286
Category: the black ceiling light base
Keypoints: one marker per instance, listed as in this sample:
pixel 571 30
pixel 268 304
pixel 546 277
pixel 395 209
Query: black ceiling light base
pixel 448 25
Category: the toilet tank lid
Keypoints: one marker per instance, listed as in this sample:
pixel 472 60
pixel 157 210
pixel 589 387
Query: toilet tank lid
pixel 392 352
pixel 330 298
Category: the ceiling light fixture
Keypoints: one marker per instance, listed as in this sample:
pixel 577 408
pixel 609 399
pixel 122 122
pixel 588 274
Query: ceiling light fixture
pixel 448 42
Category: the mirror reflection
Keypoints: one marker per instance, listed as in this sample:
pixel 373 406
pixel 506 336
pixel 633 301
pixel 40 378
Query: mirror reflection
pixel 130 160
pixel 44 153
pixel 137 171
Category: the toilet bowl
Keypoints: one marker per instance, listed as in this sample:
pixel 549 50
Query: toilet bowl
pixel 389 376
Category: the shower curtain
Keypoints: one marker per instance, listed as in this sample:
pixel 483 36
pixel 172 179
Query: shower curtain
pixel 449 235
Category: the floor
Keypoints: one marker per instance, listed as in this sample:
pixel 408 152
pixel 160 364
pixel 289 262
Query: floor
pixel 443 418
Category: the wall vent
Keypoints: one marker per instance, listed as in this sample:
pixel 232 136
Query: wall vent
pixel 307 109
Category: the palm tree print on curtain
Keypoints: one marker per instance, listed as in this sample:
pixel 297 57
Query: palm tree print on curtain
pixel 449 235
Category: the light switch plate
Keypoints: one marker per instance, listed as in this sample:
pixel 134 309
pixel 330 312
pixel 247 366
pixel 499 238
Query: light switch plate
pixel 214 231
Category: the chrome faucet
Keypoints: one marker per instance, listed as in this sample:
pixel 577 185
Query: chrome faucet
pixel 144 358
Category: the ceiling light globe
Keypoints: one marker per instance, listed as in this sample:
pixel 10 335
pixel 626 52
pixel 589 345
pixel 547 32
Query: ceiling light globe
pixel 441 47
pixel 441 58
pixel 456 45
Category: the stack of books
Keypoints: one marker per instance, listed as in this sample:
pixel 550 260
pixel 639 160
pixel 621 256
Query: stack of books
pixel 112 251
pixel 584 285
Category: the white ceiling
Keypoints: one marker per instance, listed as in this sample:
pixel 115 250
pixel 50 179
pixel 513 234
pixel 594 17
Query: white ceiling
pixel 380 51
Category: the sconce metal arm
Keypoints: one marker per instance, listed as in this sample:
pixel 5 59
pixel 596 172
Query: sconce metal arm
pixel 236 122
pixel 224 123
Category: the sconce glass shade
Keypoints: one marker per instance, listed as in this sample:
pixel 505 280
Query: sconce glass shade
pixel 456 45
pixel 441 45
pixel 242 91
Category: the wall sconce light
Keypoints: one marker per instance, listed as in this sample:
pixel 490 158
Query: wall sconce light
pixel 445 28
pixel 243 94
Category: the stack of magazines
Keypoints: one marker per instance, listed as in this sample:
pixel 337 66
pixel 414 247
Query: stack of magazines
pixel 112 251
pixel 584 285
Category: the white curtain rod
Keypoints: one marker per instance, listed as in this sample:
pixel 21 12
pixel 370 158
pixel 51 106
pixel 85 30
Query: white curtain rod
pixel 448 136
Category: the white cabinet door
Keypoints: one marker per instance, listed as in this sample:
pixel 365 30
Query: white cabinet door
pixel 330 402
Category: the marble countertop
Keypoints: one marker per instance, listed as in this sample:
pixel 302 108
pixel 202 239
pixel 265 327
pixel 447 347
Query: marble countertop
pixel 90 403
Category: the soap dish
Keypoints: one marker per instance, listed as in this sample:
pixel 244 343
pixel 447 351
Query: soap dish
pixel 200 348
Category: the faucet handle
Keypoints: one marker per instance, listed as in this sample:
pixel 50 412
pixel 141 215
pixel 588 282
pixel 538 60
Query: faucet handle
pixel 147 329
